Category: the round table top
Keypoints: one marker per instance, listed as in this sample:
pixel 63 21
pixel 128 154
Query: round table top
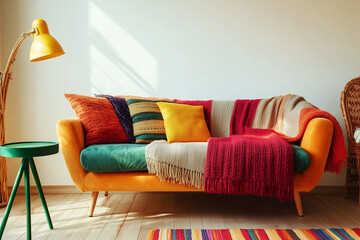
pixel 29 149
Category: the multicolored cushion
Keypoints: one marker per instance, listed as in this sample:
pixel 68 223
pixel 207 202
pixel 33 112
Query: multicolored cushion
pixel 122 111
pixel 98 118
pixel 147 120
pixel 184 123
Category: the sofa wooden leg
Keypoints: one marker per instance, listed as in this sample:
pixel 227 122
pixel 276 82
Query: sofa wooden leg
pixel 94 196
pixel 298 204
pixel 106 193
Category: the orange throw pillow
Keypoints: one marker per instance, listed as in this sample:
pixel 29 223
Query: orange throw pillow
pixel 98 118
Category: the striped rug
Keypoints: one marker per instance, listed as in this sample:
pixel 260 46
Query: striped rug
pixel 255 234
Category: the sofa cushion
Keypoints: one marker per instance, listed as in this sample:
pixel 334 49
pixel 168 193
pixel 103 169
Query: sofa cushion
pixel 147 120
pixel 98 118
pixel 184 123
pixel 114 158
pixel 301 159
pixel 131 157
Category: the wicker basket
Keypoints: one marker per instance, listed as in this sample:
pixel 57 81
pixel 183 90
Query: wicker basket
pixel 350 110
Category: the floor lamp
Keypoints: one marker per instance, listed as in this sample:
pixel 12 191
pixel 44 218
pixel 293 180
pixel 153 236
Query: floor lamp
pixel 43 47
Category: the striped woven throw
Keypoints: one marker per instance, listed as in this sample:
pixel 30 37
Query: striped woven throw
pixel 255 234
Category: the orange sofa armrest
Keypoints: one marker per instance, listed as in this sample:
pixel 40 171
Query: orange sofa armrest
pixel 72 141
pixel 316 141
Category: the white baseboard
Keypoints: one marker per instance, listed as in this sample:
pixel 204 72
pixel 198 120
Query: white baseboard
pixel 49 189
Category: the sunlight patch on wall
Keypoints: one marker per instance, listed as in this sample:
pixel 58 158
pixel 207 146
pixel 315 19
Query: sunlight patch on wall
pixel 118 63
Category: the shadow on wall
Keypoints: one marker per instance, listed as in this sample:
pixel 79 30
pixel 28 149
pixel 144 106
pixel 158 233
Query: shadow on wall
pixel 232 49
pixel 118 63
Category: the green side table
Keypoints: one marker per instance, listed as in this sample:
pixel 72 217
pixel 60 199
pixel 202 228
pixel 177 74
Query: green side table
pixel 26 151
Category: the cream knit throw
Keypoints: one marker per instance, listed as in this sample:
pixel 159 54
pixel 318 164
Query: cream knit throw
pixel 177 162
pixel 221 112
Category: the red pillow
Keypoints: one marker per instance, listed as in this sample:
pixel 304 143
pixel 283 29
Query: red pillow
pixel 98 118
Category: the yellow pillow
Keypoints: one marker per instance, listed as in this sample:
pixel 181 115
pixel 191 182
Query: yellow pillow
pixel 184 123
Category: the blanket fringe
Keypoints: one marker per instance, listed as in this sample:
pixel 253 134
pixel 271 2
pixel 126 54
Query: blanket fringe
pixel 336 167
pixel 284 192
pixel 171 173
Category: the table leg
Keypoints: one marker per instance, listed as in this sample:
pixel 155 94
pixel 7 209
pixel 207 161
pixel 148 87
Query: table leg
pixel 41 194
pixel 27 198
pixel 12 196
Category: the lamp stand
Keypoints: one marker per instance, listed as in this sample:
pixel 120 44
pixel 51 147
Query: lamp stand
pixel 5 78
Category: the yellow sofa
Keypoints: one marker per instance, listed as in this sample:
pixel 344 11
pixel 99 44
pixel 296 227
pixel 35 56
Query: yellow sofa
pixel 316 141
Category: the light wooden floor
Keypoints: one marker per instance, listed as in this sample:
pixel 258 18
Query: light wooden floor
pixel 131 215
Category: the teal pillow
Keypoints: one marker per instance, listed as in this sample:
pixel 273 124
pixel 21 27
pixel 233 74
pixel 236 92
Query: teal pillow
pixel 114 158
pixel 301 159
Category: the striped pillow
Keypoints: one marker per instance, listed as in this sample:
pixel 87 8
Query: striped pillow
pixel 147 120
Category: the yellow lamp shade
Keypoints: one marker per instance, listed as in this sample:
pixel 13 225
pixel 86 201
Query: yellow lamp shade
pixel 44 46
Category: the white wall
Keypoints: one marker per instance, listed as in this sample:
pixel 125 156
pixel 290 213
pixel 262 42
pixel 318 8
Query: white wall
pixel 204 49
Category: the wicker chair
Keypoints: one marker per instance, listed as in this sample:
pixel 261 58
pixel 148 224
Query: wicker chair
pixel 350 110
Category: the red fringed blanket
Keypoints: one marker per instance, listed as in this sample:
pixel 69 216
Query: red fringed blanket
pixel 251 161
